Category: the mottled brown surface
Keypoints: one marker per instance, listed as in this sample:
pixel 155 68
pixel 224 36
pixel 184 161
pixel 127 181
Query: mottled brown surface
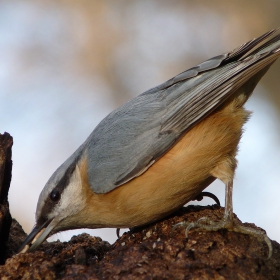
pixel 17 235
pixel 6 142
pixel 151 253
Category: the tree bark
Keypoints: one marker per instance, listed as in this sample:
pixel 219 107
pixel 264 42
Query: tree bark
pixel 152 252
pixel 6 142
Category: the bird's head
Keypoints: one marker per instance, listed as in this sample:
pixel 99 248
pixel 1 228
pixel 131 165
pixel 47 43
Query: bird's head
pixel 59 204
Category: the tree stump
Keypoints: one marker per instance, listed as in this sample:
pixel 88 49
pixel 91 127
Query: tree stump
pixel 6 142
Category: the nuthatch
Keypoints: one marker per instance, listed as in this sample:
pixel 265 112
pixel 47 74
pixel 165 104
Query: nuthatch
pixel 158 151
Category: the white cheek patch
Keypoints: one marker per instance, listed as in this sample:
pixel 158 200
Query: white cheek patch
pixel 72 199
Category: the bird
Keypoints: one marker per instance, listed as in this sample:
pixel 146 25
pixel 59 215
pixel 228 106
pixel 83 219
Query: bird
pixel 158 151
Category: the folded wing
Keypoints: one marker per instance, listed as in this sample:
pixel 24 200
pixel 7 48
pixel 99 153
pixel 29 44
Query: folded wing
pixel 134 136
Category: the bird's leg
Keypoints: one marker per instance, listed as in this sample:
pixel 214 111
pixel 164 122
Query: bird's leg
pixel 228 222
pixel 228 216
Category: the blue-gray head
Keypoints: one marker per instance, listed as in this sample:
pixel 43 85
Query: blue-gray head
pixel 60 200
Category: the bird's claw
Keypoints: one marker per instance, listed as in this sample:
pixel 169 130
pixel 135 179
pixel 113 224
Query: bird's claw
pixel 207 194
pixel 118 232
pixel 205 223
pixel 181 224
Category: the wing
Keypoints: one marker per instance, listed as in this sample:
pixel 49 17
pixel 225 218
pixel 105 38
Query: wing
pixel 134 136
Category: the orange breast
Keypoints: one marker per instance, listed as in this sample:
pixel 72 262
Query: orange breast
pixel 176 178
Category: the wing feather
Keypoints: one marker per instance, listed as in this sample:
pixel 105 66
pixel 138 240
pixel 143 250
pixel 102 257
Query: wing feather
pixel 134 136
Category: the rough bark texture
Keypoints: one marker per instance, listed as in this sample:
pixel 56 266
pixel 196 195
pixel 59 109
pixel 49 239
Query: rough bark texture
pixel 148 253
pixel 6 142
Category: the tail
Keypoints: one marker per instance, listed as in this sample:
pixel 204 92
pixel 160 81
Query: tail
pixel 268 44
pixel 201 89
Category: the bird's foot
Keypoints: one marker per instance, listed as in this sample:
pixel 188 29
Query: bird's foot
pixel 228 223
pixel 198 198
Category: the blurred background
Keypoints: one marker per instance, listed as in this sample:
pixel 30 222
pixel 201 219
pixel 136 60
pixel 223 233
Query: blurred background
pixel 64 65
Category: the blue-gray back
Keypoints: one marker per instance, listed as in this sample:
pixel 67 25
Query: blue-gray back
pixel 131 138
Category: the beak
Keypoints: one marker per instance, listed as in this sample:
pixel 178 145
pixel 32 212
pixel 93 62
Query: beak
pixel 37 236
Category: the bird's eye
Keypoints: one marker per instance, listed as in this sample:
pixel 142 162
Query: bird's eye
pixel 55 195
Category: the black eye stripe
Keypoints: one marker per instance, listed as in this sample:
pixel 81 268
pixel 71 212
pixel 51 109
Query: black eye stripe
pixel 55 194
pixel 53 197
